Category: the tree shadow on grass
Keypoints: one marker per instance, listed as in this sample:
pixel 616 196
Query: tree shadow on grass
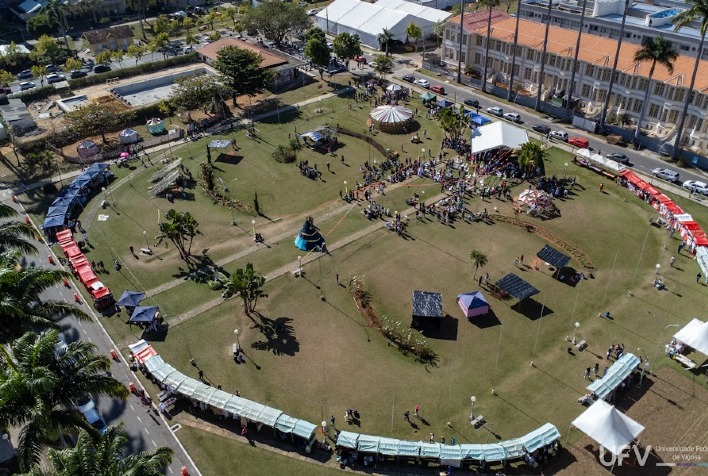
pixel 279 336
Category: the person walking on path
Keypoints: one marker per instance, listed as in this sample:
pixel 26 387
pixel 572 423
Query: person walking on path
pixel 587 373
pixel 415 410
pixel 596 369
pixel 331 421
pixel 698 278
pixel 486 280
pixel 407 416
pixel 672 261
pixel 480 280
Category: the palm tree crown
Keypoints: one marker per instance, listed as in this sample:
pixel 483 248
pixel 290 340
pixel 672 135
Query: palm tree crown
pixel 491 5
pixel 40 386
pixel 479 260
pixel 14 234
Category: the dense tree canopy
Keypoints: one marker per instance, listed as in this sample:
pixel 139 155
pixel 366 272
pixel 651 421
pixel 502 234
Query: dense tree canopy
pixel 275 19
pixel 242 71
pixel 347 46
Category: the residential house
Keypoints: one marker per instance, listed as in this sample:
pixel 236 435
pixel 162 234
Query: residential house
pixel 113 38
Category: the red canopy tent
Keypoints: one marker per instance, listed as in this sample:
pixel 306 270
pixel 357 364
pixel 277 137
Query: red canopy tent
pixel 78 261
pixel 64 236
pixel 663 199
pixel 72 250
pixel 673 208
pixel 86 275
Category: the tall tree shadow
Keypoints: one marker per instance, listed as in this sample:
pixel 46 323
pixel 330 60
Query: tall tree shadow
pixel 278 336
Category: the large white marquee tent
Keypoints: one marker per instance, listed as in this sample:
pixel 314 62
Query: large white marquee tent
pixel 368 20
pixel 609 427
pixel 498 134
pixel 695 335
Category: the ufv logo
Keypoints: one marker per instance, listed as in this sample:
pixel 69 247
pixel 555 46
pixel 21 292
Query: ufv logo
pixel 624 453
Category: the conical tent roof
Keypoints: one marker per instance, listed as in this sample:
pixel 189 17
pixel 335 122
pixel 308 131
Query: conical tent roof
pixel 391 114
pixel 537 198
pixel 473 300
pixel 695 334
pixel 309 237
pixel 128 136
pixel 605 424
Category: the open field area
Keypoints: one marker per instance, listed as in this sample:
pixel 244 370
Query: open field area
pixel 328 359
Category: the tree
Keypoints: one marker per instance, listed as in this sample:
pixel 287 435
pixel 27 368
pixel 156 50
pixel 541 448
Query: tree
pixel 479 260
pixel 6 77
pixel 415 32
pixel 232 13
pixel 211 17
pixel 385 38
pixel 46 47
pixel 95 118
pixel 85 7
pixel 39 388
pixel 382 64
pixel 104 57
pixel 56 10
pixel 248 285
pixel 490 5
pixel 347 46
pixel 117 56
pixel 140 6
pixel 14 235
pixel 12 55
pixel 39 71
pixel 698 13
pixel 242 71
pixel 158 43
pixel 606 105
pixel 539 93
pixel 275 20
pixel 180 230
pixel 655 50
pixel 104 456
pixel 198 92
pixel 72 64
pixel 137 52
pixel 314 32
pixel 42 24
pixel 452 122
pixel 318 52
pixel 531 155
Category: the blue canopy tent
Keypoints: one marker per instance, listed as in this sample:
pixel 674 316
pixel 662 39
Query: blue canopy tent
pixel 143 315
pixel 130 298
pixel 310 237
pixel 444 103
pixel 53 221
pixel 473 304
pixel 477 119
pixel 552 256
pixel 516 287
pixel 69 196
pixel 615 375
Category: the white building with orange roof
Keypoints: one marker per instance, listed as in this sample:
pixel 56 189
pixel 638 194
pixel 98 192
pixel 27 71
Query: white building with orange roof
pixel 595 62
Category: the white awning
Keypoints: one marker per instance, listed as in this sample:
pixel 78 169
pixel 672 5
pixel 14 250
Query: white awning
pixel 498 134
pixel 694 335
pixel 608 426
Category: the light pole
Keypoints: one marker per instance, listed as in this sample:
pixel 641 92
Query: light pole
pixel 644 363
pixel 145 235
pixel 346 190
pixel 299 266
pixel 577 326
pixel 565 174
pixel 238 344
pixel 253 223
pixel 661 338
pixel 658 267
pixel 472 400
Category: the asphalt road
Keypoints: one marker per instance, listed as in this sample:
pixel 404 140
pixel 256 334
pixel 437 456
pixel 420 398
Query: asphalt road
pixel 145 430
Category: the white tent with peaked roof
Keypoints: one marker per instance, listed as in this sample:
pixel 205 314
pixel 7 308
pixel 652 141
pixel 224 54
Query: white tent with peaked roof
pixel 694 335
pixel 608 426
pixel 498 134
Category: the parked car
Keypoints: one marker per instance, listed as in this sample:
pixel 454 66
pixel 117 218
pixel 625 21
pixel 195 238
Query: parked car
pixel 513 117
pixel 409 78
pixel 559 135
pixel 55 78
pixel 52 68
pixel 312 12
pixel 497 111
pixel 696 186
pixel 422 82
pixel 85 404
pixel 94 418
pixel 101 68
pixel 24 74
pixel 621 158
pixel 25 85
pixel 77 73
pixel 542 128
pixel 5 89
pixel 665 174
pixel 472 103
pixel 579 142
pixel 437 89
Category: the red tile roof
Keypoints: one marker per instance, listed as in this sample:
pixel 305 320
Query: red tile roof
pixel 475 21
pixel 270 59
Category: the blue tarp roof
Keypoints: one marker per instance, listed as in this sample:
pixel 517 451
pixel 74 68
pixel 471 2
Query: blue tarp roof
pixel 304 429
pixel 476 118
pixel 444 103
pixel 68 195
pixel 553 256
pixel 53 221
pixel 614 376
pixel 347 439
pixel 368 443
pixel 143 314
pixel 314 135
pixel 130 298
pixel 516 287
pixel 473 300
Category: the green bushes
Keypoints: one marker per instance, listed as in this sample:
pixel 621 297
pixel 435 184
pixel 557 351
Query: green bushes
pixel 34 94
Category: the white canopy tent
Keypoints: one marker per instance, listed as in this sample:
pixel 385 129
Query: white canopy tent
pixel 605 424
pixel 601 160
pixel 498 134
pixel 694 335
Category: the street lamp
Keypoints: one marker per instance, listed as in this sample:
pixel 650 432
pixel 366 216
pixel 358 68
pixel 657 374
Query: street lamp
pixel 661 339
pixel 145 235
pixel 644 363
pixel 565 174
pixel 299 265
pixel 238 344
pixel 658 267
pixel 253 222
pixel 472 400
pixel 577 326
pixel 346 190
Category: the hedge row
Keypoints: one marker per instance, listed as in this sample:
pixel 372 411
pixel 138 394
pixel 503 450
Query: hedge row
pixel 123 73
pixel 34 93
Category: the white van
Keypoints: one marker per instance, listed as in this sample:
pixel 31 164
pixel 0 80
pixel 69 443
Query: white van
pixel 559 135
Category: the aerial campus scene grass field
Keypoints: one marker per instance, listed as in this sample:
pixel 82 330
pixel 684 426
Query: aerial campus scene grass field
pixel 517 362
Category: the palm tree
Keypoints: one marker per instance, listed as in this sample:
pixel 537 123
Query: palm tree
pixel 181 227
pixel 140 6
pixel 39 388
pixel 531 155
pixel 479 260
pixel 385 38
pixel 490 4
pixel 571 86
pixel 543 57
pixel 14 234
pixel 657 50
pixel 698 11
pixel 248 284
pixel 21 307
pixel 606 105
pixel 56 10
pixel 105 457
pixel 513 54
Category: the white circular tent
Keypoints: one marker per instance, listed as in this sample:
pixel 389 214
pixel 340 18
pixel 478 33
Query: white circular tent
pixel 128 136
pixel 392 118
pixel 537 203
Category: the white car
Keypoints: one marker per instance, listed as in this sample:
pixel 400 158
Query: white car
pixel 696 186
pixel 512 116
pixel 665 174
pixel 497 111
pixel 312 13
pixel 85 405
pixel 423 83
pixel 559 135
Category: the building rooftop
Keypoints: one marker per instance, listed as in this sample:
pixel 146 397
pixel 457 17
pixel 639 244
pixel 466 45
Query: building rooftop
pixel 478 20
pixel 270 58
pixel 599 51
pixel 99 36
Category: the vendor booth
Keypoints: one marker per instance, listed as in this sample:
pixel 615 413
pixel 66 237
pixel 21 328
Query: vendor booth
pixel 128 136
pixel 310 238
pixel 392 119
pixel 88 148
pixel 155 126
pixel 427 309
pixel 473 304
